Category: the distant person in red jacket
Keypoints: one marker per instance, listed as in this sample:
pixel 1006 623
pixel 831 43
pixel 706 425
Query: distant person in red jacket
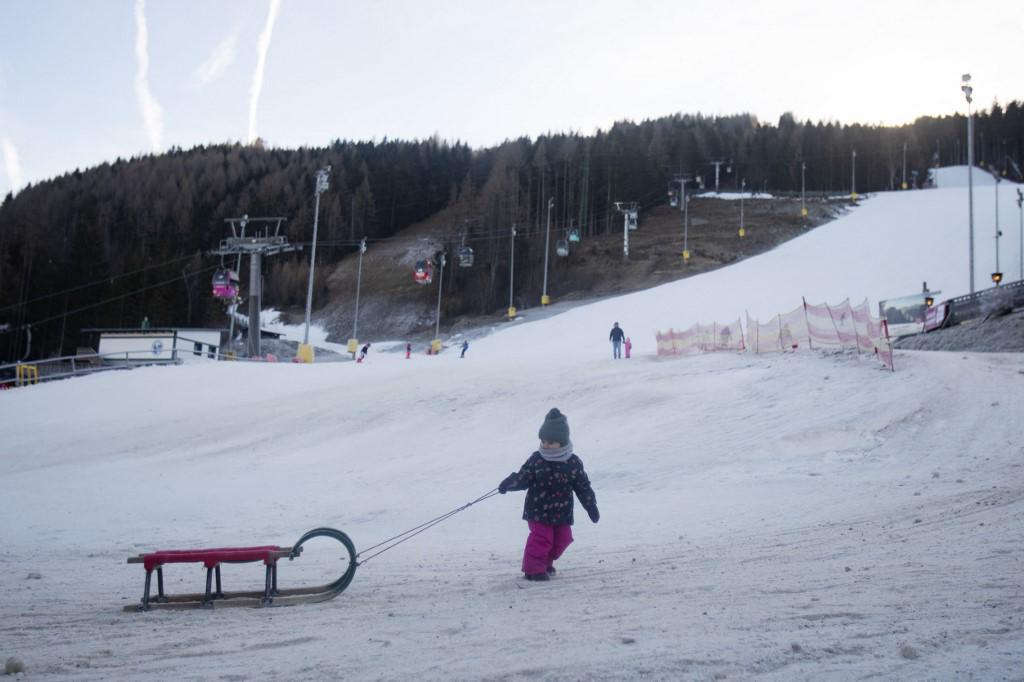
pixel 629 347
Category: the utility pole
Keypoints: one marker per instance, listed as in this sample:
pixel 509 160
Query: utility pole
pixel 1020 209
pixel 684 179
pixel 717 165
pixel 904 165
pixel 269 242
pixel 743 190
pixel 629 212
pixel 803 187
pixel 544 300
pixel 968 90
pixel 512 273
pixel 306 350
pixel 436 343
pixel 853 177
pixel 998 275
pixel 359 279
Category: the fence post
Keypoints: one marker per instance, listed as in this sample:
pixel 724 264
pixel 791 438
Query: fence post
pixel 807 323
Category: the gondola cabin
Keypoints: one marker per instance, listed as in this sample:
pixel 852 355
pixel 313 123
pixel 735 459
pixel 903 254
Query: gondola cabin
pixel 562 247
pixel 424 272
pixel 574 236
pixel 225 283
pixel 465 257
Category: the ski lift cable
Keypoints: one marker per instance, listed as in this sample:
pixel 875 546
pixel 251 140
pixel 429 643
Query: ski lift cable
pixel 95 283
pixel 134 292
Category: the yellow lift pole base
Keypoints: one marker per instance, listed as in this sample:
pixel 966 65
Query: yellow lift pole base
pixel 305 352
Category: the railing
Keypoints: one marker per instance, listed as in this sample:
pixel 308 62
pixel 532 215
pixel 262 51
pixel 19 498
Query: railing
pixel 985 302
pixel 50 369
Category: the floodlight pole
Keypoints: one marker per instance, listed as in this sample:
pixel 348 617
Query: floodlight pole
pixel 321 187
pixel 359 279
pixel 803 194
pixel 512 273
pixel 967 90
pixel 544 300
pixel 743 190
pixel 1020 208
pixel 853 176
pixel 904 165
pixel 999 234
pixel 440 285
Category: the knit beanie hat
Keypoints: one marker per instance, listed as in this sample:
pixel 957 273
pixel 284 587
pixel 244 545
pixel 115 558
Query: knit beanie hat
pixel 555 427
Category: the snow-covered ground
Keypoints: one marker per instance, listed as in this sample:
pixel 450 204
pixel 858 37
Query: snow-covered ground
pixel 780 517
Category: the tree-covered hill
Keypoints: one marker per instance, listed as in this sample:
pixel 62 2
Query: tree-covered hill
pixel 108 245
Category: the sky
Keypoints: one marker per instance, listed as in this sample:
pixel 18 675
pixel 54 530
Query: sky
pixel 798 516
pixel 82 83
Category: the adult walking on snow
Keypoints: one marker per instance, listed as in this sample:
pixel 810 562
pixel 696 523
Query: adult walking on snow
pixel 616 337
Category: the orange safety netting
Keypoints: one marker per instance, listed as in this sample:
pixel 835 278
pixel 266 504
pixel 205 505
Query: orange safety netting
pixel 843 326
pixel 702 338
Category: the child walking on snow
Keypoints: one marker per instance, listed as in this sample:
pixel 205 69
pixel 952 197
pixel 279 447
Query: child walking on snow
pixel 550 476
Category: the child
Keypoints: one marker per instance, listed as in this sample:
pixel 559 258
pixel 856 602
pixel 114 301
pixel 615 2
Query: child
pixel 550 476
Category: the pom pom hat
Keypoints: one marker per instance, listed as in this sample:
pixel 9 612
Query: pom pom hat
pixel 555 427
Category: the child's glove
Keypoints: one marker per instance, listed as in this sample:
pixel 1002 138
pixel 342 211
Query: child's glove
pixel 504 486
pixel 594 514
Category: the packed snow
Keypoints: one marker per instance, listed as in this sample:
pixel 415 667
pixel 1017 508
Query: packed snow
pixel 798 516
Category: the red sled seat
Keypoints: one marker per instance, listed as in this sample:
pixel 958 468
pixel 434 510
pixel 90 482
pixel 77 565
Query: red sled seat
pixel 212 559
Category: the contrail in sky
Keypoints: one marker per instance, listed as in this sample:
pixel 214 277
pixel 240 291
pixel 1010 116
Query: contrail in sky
pixel 152 114
pixel 11 164
pixel 262 45
pixel 218 62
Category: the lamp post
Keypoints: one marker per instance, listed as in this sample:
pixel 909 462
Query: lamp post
pixel 853 176
pixel 686 221
pixel 968 90
pixel 743 190
pixel 904 185
pixel 995 174
pixel 544 300
pixel 306 350
pixel 803 187
pixel 436 343
pixel 512 273
pixel 359 279
pixel 1020 208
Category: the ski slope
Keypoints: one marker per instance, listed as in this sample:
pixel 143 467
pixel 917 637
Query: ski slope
pixel 762 517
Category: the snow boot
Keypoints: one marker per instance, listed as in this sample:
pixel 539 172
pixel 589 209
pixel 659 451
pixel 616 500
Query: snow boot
pixel 537 576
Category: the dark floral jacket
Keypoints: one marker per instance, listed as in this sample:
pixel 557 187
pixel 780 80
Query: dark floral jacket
pixel 550 486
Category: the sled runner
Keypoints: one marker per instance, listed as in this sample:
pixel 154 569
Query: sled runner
pixel 212 559
pixel 269 555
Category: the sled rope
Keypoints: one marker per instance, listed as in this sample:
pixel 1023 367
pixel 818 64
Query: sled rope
pixel 412 532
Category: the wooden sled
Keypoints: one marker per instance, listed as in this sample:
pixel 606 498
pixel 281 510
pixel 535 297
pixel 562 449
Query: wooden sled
pixel 212 559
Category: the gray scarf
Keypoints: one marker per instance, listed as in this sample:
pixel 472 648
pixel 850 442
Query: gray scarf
pixel 561 454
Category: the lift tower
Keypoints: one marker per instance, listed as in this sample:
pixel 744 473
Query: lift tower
pixel 265 240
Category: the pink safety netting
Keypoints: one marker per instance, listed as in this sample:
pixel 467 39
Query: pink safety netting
pixel 841 326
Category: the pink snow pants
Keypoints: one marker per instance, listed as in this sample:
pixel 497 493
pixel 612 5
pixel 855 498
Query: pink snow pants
pixel 545 544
